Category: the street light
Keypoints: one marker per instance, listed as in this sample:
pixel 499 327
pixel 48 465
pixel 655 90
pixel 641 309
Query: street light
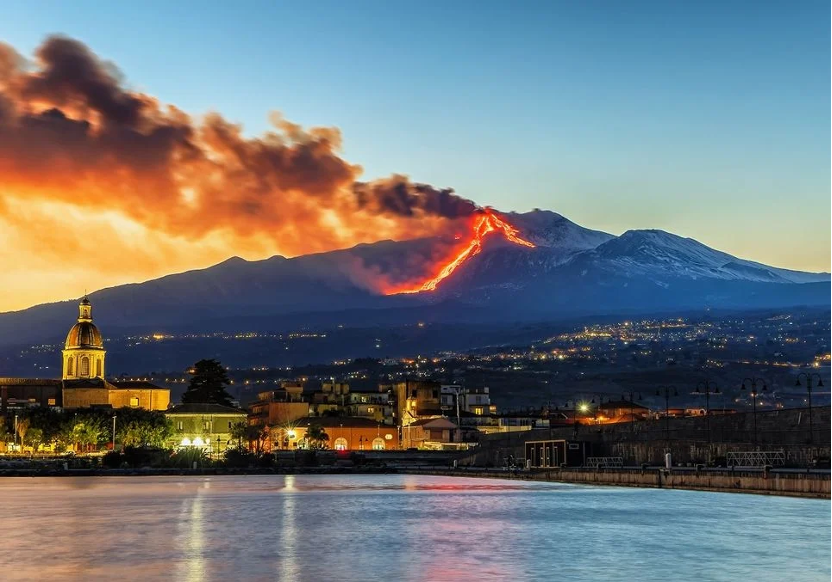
pixel 15 433
pixel 707 388
pixel 667 391
pixel 809 376
pixel 114 433
pixel 753 384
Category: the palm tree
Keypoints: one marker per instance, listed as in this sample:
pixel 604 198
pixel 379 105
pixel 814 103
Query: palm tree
pixel 22 429
pixel 317 437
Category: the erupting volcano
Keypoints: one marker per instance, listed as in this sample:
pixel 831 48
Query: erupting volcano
pixel 484 224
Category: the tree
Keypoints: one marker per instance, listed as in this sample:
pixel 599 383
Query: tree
pixel 239 432
pixel 22 428
pixel 317 437
pixel 34 438
pixel 207 385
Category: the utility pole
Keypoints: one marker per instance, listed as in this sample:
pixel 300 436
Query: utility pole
pixel 809 376
pixel 667 391
pixel 753 384
pixel 707 388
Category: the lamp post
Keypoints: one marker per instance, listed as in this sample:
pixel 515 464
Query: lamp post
pixel 754 393
pixel 809 376
pixel 114 432
pixel 15 433
pixel 667 392
pixel 707 388
pixel 598 407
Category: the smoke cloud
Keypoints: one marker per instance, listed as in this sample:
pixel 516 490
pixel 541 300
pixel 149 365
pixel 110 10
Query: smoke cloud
pixel 72 134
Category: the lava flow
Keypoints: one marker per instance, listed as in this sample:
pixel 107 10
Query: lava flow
pixel 486 223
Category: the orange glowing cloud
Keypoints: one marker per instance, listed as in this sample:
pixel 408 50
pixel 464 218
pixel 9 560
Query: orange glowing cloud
pixel 101 185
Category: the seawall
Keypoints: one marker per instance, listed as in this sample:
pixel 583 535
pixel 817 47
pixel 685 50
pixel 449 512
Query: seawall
pixel 812 484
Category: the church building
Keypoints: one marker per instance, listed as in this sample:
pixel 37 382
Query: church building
pixel 82 383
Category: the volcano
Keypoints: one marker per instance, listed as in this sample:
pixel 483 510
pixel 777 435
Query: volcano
pixel 532 266
pixel 484 224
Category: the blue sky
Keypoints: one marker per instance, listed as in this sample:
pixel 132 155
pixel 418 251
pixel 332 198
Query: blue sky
pixel 708 119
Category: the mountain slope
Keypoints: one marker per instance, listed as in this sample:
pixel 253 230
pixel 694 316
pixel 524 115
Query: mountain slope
pixel 572 270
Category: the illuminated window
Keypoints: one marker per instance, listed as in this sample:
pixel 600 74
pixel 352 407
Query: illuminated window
pixel 370 410
pixel 98 367
pixel 341 444
pixel 206 425
pixel 70 366
pixel 180 425
pixel 85 367
pixel 378 444
pixel 51 402
pixel 134 402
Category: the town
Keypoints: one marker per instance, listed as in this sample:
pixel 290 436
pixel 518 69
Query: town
pixel 620 373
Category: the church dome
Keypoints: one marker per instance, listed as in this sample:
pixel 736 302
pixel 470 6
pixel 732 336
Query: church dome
pixel 84 334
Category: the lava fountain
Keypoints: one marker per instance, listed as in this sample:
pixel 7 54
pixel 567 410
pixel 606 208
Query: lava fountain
pixel 483 225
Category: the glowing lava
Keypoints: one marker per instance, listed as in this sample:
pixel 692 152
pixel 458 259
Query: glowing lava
pixel 485 224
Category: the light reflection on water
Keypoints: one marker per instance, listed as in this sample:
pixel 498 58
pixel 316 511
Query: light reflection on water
pixel 399 527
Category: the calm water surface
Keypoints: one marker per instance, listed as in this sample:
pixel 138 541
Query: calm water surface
pixel 399 527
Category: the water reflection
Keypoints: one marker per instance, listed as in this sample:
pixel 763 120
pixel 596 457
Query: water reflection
pixel 191 537
pixel 288 566
pixel 399 527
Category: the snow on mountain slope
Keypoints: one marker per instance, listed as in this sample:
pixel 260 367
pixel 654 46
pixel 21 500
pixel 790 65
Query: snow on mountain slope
pixel 661 254
pixel 549 229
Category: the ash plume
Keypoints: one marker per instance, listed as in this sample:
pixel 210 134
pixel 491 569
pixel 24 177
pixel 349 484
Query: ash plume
pixel 73 133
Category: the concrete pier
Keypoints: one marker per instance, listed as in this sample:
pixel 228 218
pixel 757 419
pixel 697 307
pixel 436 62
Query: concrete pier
pixel 792 483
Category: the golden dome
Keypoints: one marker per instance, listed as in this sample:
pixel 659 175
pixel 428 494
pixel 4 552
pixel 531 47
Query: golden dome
pixel 84 334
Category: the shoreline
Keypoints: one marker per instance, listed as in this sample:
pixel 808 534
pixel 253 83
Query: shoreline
pixel 797 484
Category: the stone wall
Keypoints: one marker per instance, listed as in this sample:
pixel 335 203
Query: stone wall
pixel 795 484
pixel 688 439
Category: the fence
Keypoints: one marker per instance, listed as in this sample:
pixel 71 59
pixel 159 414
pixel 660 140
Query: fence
pixel 604 462
pixel 756 458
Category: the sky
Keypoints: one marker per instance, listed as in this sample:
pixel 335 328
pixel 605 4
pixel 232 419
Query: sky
pixel 709 119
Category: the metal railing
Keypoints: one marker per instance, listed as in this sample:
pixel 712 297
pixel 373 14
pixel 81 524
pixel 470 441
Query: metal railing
pixel 605 462
pixel 756 458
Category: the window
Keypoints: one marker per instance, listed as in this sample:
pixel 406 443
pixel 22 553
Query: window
pixel 341 444
pixel 206 425
pixel 85 367
pixel 180 425
pixel 134 401
pixel 378 444
pixel 370 410
pixel 70 366
pixel 98 368
pixel 51 402
pixel 229 425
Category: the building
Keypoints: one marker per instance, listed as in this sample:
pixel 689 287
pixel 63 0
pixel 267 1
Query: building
pixel 474 400
pixel 82 383
pixel 620 411
pixel 430 433
pixel 205 426
pixel 416 400
pixel 346 434
pixel 276 408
